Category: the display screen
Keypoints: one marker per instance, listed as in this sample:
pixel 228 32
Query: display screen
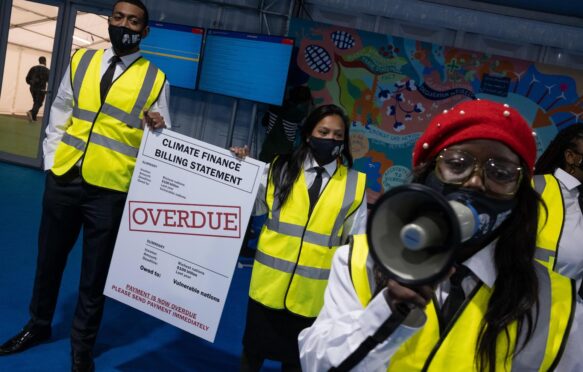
pixel 175 49
pixel 245 65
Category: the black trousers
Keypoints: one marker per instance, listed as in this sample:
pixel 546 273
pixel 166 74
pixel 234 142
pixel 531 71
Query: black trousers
pixel 70 204
pixel 38 96
pixel 271 334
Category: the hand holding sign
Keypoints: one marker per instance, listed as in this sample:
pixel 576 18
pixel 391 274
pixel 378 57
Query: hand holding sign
pixel 181 232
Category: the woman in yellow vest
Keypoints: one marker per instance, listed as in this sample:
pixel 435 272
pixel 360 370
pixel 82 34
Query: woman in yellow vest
pixel 512 312
pixel 559 178
pixel 313 200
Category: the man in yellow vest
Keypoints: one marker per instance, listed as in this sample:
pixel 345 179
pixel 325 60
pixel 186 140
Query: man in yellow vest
pixel 95 129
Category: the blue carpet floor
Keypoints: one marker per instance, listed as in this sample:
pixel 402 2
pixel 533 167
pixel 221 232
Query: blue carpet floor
pixel 129 339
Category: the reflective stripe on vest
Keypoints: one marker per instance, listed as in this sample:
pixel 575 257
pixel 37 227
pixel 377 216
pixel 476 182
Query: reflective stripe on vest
pixel 289 267
pixel 73 141
pixel 295 249
pixel 330 240
pixel 108 135
pixel 550 227
pixel 83 114
pixel 428 350
pixel 133 118
pixel 114 145
pixel 81 70
pixel 100 140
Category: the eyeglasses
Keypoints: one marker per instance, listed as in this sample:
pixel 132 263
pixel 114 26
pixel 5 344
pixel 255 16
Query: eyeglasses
pixel 118 18
pixel 499 176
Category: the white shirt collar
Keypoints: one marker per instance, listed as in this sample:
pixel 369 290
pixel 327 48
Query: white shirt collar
pixel 482 264
pixel 566 179
pixel 125 60
pixel 311 163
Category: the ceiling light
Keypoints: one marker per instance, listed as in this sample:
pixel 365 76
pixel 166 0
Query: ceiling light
pixel 86 42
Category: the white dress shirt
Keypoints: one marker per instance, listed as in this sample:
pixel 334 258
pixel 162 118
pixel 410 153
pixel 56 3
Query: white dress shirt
pixel 570 250
pixel 343 324
pixel 62 107
pixel 354 224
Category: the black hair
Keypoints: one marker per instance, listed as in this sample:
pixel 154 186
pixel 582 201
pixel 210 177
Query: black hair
pixel 554 155
pixel 286 168
pixel 300 94
pixel 140 5
pixel 515 292
pixel 42 60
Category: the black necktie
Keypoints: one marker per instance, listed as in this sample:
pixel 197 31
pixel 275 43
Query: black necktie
pixel 108 77
pixel 314 190
pixel 456 295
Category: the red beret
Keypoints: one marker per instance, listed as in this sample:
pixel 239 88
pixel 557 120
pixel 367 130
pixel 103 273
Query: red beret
pixel 477 119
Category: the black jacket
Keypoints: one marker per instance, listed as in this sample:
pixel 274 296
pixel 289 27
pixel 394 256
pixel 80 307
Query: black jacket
pixel 37 77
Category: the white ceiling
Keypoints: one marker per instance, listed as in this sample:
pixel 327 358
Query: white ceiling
pixel 33 25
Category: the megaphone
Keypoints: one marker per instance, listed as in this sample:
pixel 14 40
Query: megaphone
pixel 413 232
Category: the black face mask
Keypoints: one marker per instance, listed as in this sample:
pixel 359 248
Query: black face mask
pixel 491 212
pixel 123 39
pixel 325 150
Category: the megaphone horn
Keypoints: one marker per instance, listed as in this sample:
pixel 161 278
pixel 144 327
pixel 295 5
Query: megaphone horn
pixel 413 232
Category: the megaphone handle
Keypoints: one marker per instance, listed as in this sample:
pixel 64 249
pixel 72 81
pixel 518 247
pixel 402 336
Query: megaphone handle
pixel 385 330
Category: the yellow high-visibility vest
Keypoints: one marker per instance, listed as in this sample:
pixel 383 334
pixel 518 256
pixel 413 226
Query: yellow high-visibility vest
pixel 106 136
pixel 454 349
pixel 295 248
pixel 550 220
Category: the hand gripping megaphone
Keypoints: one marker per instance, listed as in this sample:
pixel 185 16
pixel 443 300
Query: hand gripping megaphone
pixel 413 232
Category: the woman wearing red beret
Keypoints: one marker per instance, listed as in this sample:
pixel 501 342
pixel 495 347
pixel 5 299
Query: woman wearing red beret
pixel 516 315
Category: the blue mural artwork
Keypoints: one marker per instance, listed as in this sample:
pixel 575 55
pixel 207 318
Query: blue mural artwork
pixel 391 87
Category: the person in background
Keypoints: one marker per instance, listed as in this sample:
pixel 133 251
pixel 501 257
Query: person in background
pixel 37 78
pixel 559 177
pixel 314 201
pixel 282 123
pixel 512 313
pixel 96 124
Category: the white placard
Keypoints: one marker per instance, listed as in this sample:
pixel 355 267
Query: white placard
pixel 184 220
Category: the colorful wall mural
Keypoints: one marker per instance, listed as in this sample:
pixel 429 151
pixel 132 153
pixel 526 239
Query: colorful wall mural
pixel 391 87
